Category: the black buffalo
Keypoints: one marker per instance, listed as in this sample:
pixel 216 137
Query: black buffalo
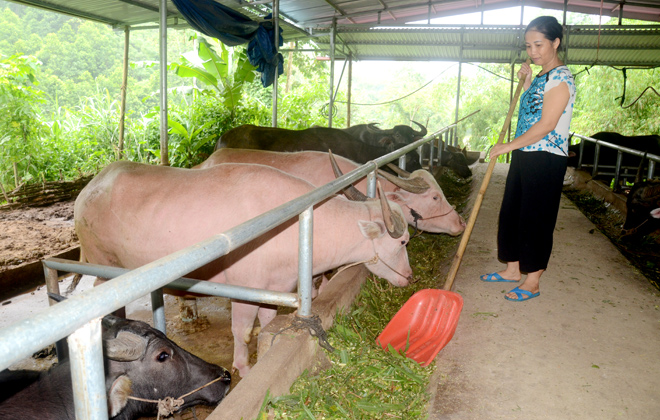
pixel 370 134
pixel 453 158
pixel 641 209
pixel 608 156
pixel 140 361
pixel 316 138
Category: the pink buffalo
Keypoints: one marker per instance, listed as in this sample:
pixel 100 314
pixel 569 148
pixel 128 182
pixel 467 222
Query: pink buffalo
pixel 131 214
pixel 420 196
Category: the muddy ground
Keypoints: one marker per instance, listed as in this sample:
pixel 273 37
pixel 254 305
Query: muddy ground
pixel 31 233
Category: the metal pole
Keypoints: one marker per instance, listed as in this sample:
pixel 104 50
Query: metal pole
pixel 158 310
pixel 581 154
pixel 122 111
pixel 371 184
pixel 87 373
pixel 305 258
pixel 617 168
pixel 482 12
pixel 276 25
pixel 431 144
pixel 596 156
pixel 402 162
pixel 164 157
pixel 350 82
pixel 201 287
pixel 333 32
pixel 651 170
pixel 458 100
pixel 458 89
pixel 53 286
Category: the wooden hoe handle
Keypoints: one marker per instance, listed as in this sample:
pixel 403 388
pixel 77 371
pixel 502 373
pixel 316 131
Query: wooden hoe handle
pixel 480 197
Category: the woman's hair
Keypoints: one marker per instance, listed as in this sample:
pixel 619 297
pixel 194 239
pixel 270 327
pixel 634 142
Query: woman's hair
pixel 548 26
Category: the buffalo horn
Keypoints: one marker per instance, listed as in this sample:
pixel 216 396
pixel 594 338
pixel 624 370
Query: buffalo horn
pixel 350 192
pixel 126 347
pixel 371 127
pixel 414 185
pixel 398 170
pixel 394 222
pixel 422 132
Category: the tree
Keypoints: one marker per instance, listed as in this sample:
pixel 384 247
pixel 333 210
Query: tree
pixel 227 72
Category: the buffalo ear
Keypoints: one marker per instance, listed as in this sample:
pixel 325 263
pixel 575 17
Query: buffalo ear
pixel 118 395
pixel 371 230
pixel 397 197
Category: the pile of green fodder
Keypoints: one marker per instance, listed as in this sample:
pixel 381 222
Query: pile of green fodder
pixel 365 381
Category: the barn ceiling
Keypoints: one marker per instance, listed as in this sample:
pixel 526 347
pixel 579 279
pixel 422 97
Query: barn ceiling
pixel 378 29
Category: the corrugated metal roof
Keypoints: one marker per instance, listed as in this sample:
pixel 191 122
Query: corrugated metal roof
pixel 356 19
pixel 607 45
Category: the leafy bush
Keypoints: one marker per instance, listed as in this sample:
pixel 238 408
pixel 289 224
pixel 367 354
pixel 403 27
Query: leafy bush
pixel 19 122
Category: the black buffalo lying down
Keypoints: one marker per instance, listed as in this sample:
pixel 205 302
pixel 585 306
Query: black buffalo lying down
pixel 320 139
pixel 139 362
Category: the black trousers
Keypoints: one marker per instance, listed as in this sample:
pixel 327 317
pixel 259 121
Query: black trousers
pixel 529 209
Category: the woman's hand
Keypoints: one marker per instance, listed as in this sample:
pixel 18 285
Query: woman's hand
pixel 525 74
pixel 498 149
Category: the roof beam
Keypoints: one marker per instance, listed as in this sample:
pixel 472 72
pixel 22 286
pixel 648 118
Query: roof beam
pixel 70 11
pixel 338 9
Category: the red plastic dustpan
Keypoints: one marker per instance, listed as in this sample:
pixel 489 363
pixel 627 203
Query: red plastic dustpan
pixel 425 323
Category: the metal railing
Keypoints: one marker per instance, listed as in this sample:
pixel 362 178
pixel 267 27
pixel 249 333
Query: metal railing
pixel 79 317
pixel 652 159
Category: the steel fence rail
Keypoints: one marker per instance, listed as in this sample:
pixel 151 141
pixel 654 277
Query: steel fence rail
pixel 620 149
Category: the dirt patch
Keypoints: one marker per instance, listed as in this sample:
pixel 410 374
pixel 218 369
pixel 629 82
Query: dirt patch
pixel 32 233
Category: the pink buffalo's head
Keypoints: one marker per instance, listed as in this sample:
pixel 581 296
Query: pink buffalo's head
pixel 423 201
pixel 388 233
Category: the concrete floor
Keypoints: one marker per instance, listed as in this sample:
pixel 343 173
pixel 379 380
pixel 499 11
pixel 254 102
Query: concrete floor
pixel 586 348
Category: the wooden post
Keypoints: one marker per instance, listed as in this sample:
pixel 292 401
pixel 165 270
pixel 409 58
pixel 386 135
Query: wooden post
pixel 122 112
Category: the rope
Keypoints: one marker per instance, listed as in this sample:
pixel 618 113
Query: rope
pixel 640 95
pixel 416 216
pixel 315 327
pixel 168 405
pixel 314 322
pixel 402 97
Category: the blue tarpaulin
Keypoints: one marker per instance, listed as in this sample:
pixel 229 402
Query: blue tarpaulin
pixel 232 28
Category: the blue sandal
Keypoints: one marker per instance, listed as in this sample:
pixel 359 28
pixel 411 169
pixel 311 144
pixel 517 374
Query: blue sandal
pixel 522 295
pixel 494 277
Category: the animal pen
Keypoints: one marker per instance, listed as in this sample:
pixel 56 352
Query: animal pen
pixel 79 317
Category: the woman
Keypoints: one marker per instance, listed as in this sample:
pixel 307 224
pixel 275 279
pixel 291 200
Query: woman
pixel 538 163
